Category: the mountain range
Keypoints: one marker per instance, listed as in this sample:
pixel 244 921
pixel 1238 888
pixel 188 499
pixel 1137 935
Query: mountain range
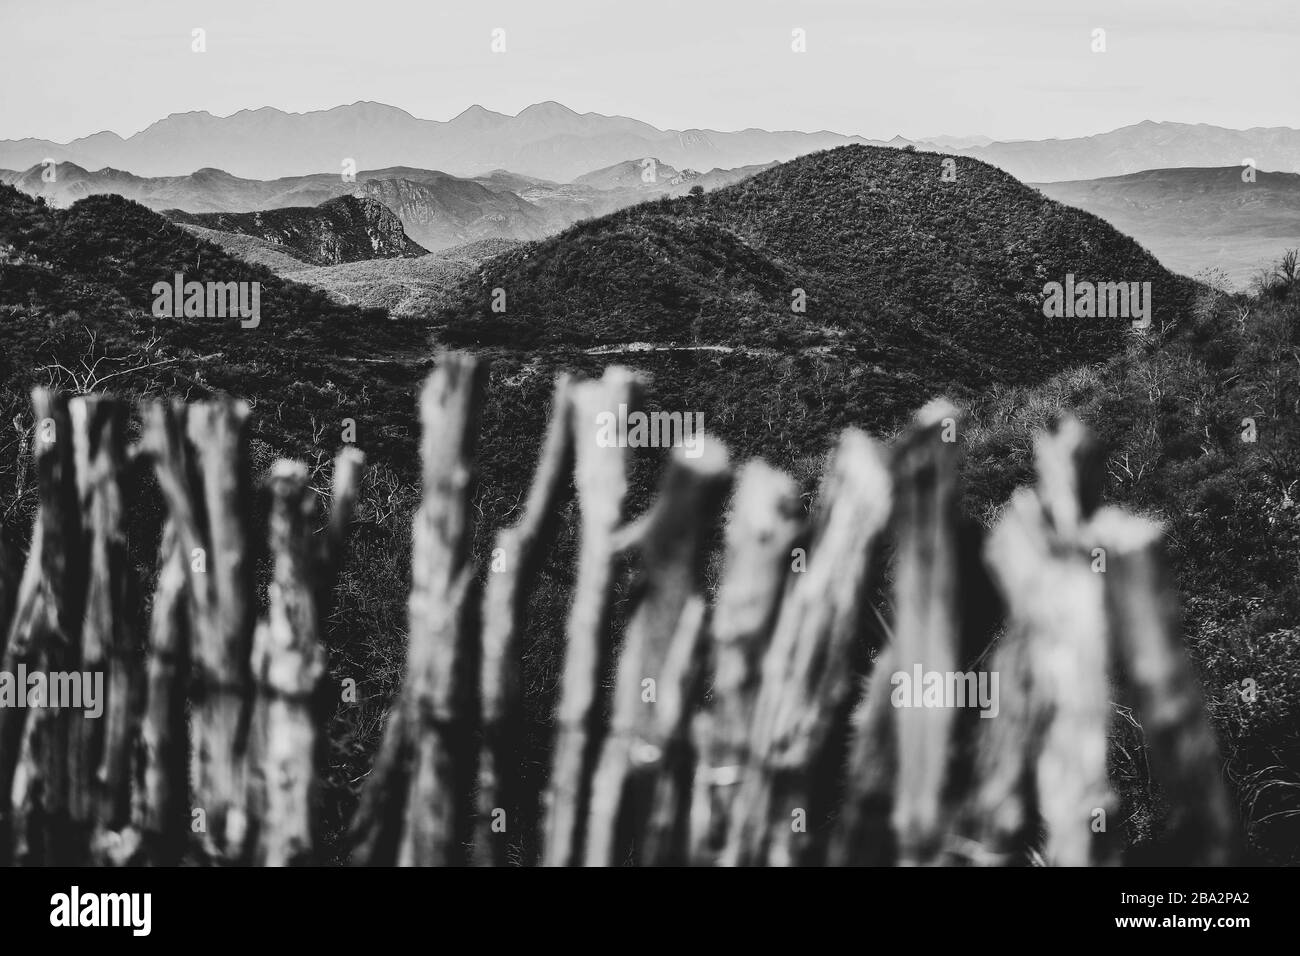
pixel 545 140
pixel 551 141
pixel 1146 145
pixel 1194 220
pixel 437 210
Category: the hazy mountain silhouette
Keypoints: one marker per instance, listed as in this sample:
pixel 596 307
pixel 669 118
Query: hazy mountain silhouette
pixel 551 141
pixel 1196 219
pixel 546 140
pixel 1146 145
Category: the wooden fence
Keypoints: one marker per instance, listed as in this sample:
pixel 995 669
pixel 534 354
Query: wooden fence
pixel 766 726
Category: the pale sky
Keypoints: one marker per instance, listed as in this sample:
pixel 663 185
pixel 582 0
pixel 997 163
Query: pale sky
pixel 1010 69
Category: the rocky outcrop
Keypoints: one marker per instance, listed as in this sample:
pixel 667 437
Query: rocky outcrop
pixel 344 229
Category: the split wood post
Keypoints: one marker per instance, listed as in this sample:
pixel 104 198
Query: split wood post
pixel 504 807
pixel 763 528
pixel 101 745
pixel 864 834
pixel 416 809
pixel 809 677
pixel 289 660
pixel 659 672
pixel 600 477
pixel 44 635
pixel 1154 673
pixel 1000 824
pixel 209 498
pixel 926 626
pixel 1055 602
pixel 161 811
pixel 895 808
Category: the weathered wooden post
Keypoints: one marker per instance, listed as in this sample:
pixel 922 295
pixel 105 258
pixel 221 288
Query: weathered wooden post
pixel 658 683
pixel 762 530
pixel 289 661
pixel 200 457
pixel 100 747
pixel 44 635
pixel 161 811
pixel 896 809
pixel 810 676
pixel 1056 648
pixel 416 808
pixel 504 806
pixel 926 625
pixel 600 476
pixel 1153 672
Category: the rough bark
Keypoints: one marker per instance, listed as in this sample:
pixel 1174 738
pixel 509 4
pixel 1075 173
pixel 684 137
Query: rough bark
pixel 600 476
pixel 762 530
pixel 658 681
pixel 809 672
pixel 505 807
pixel 424 772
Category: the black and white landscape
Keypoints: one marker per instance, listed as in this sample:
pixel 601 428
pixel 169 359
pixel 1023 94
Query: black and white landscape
pixel 966 344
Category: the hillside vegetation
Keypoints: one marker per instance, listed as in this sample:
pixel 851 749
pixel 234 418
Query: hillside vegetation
pixel 346 229
pixel 405 288
pixel 1178 415
pixel 914 287
pixel 911 284
pixel 884 250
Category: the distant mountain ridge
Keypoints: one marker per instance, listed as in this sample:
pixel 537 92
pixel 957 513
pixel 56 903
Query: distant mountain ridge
pixel 550 141
pixel 1197 219
pixel 437 210
pixel 1146 145
pixel 547 140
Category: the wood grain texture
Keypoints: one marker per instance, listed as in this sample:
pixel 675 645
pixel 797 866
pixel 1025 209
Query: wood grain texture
pixel 809 677
pixel 505 807
pixel 600 477
pixel 659 676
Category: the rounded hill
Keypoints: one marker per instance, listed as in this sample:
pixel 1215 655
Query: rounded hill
pixel 925 264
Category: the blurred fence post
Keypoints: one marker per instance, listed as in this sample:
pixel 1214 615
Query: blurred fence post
pixel 289 661
pixel 600 476
pixel 1057 623
pixel 809 673
pixel 1155 675
pixel 659 672
pixel 211 745
pixel 44 635
pixel 504 807
pixel 762 530
pixel 100 746
pixel 416 808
